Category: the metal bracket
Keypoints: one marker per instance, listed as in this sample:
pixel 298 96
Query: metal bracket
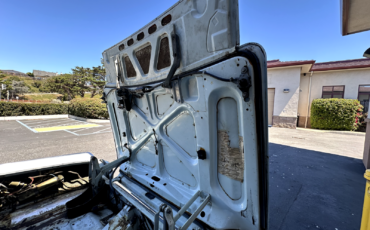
pixel 176 60
pixel 167 213
pixel 176 91
pixel 125 99
pixel 244 82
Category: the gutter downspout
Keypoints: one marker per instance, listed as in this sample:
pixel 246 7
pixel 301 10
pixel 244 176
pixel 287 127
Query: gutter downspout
pixel 308 100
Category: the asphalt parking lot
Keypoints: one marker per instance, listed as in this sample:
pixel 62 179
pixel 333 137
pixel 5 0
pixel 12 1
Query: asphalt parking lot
pixel 31 139
pixel 316 178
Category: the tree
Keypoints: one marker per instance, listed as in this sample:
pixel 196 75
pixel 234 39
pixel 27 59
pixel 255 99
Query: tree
pixel 19 87
pixel 64 84
pixel 2 75
pixel 82 77
pixel 30 74
pixel 98 81
pixel 36 84
pixel 89 80
pixel 7 83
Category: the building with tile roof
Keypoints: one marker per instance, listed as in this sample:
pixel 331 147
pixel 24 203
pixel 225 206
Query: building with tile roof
pixel 293 85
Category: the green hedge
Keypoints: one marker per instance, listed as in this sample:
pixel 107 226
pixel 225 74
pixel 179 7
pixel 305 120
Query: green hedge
pixel 335 114
pixel 88 108
pixel 24 109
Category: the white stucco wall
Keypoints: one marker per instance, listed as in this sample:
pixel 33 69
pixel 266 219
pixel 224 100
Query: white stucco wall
pixel 285 104
pixel 351 79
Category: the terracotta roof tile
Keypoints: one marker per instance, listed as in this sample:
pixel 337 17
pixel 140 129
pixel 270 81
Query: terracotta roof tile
pixel 346 64
pixel 278 63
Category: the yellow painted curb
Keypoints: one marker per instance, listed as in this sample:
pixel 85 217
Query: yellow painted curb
pixel 56 128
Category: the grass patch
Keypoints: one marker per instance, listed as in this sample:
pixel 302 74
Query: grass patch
pixel 42 97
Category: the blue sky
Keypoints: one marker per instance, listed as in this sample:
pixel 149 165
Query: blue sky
pixel 59 35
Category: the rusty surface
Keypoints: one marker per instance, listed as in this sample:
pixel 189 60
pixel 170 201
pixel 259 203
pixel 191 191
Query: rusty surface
pixel 140 36
pixel 166 20
pixel 118 223
pixel 152 29
pixel 143 56
pixel 130 71
pixel 164 59
pixel 230 160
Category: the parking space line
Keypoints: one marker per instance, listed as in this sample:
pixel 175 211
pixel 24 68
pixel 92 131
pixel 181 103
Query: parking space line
pixel 71 132
pixel 27 127
pixel 57 128
pixel 43 121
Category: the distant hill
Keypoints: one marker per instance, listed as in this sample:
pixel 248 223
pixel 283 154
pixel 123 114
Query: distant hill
pixel 13 72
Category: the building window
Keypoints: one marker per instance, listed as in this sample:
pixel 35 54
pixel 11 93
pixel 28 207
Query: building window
pixel 364 96
pixel 333 91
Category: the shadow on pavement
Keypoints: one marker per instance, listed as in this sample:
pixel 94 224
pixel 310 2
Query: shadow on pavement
pixel 314 190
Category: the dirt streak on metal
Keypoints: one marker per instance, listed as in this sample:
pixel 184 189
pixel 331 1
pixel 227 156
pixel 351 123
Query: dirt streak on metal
pixel 38 215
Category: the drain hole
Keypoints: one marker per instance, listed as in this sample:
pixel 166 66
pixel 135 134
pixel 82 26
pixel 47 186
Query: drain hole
pixel 149 195
pixel 155 178
pixel 121 47
pixel 152 186
pixel 202 214
pixel 130 42
pixel 164 184
pixel 166 20
pixel 140 36
pixel 152 29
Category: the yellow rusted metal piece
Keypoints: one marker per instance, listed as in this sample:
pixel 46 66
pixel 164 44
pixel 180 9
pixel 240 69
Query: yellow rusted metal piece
pixel 36 189
pixel 365 224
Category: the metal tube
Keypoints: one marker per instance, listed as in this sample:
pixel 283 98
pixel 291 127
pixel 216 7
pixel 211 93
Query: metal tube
pixel 196 213
pixel 186 206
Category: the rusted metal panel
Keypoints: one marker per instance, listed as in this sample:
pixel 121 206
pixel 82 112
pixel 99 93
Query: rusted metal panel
pixel 230 160
pixel 143 56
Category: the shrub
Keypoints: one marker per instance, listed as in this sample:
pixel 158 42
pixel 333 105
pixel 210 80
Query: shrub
pixel 88 108
pixel 24 109
pixel 335 114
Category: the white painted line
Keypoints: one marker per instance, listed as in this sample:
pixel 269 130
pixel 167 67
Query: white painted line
pixel 102 130
pixel 91 133
pixel 48 120
pixel 71 132
pixel 55 122
pixel 27 127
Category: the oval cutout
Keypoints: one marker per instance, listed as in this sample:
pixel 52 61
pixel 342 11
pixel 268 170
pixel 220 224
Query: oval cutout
pixel 130 42
pixel 166 20
pixel 152 29
pixel 140 36
pixel 155 178
pixel 121 47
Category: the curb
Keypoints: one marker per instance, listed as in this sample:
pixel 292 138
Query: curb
pixel 89 120
pixel 13 118
pixel 353 133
